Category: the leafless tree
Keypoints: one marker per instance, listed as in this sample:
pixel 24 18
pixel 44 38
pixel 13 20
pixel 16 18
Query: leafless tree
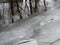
pixel 30 6
pixel 12 12
pixel 45 5
pixel 36 5
pixel 19 11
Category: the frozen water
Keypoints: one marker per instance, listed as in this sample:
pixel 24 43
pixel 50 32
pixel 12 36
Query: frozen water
pixel 47 26
pixel 56 42
pixel 32 42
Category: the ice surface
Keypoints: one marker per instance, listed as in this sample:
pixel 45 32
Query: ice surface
pixel 56 43
pixel 47 26
pixel 32 42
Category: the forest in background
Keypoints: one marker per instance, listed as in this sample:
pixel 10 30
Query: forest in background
pixel 14 10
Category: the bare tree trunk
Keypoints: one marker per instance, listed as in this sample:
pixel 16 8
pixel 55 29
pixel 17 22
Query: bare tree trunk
pixel 26 6
pixel 30 6
pixel 18 9
pixel 45 5
pixel 36 6
pixel 12 12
